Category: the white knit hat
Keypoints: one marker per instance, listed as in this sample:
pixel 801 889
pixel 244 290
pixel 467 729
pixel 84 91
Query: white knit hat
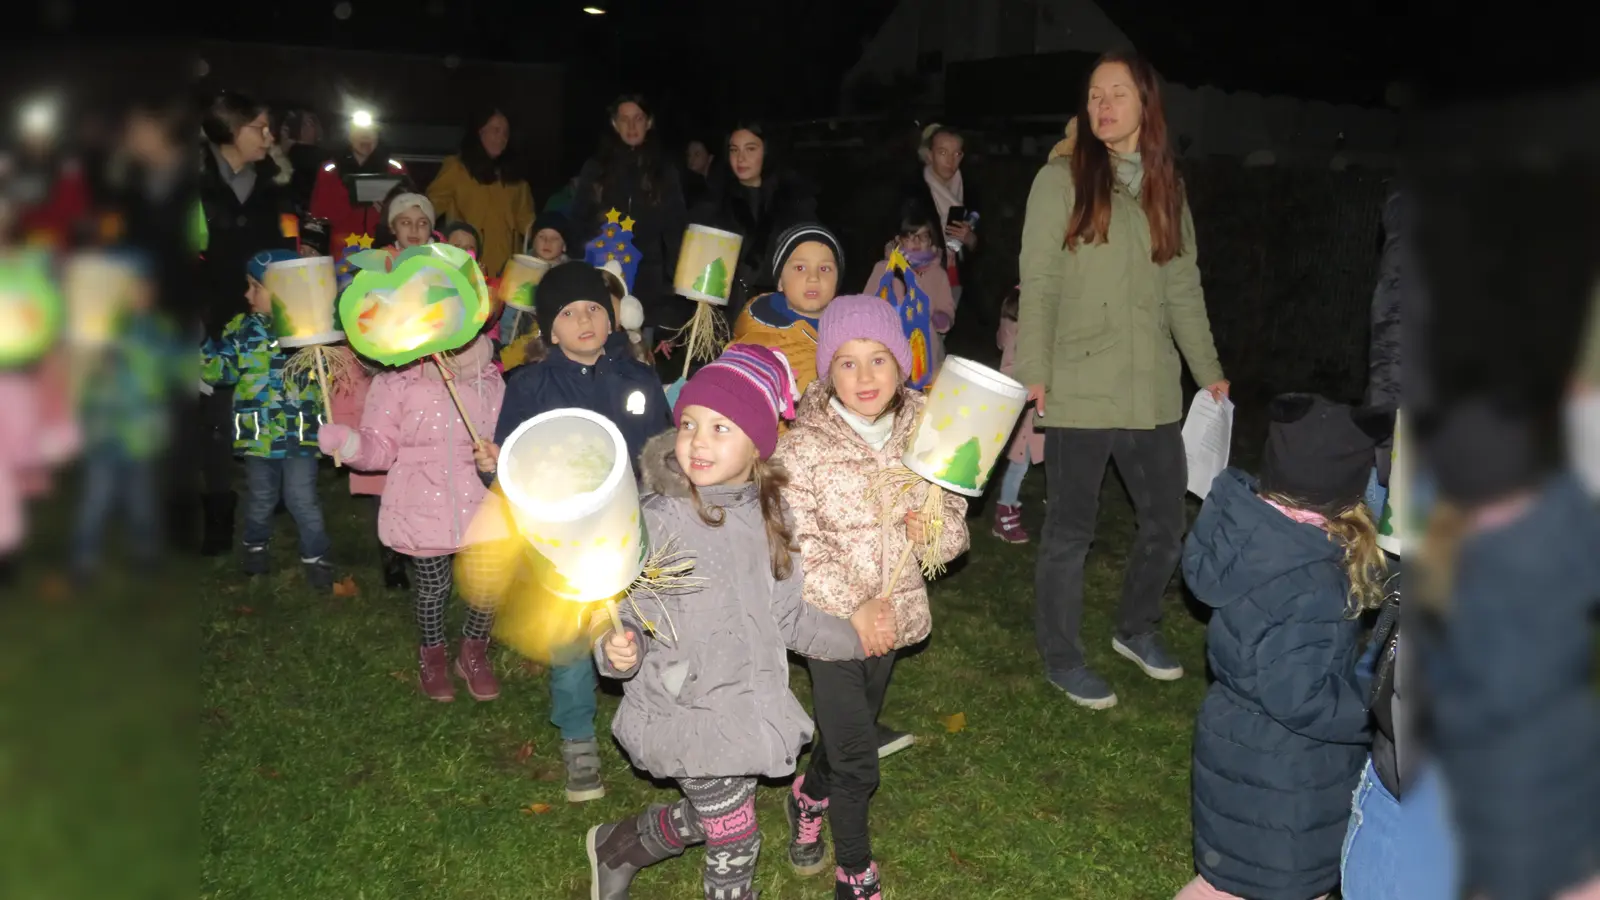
pixel 403 202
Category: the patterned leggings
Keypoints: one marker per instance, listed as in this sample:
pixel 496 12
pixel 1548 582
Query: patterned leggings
pixel 432 578
pixel 722 813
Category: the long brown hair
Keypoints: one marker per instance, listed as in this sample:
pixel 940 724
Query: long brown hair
pixel 1353 529
pixel 1161 196
pixel 770 480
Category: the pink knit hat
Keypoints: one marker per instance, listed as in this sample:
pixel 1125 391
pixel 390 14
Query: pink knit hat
pixel 860 317
pixel 751 385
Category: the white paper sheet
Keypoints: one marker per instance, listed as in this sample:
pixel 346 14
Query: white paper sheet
pixel 1207 437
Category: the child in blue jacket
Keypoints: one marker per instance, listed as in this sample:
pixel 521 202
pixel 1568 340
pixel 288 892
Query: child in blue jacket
pixel 588 366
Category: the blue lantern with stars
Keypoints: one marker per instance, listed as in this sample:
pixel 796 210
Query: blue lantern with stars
pixel 614 242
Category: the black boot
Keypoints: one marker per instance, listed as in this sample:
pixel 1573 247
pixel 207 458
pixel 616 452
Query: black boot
pixel 618 850
pixel 218 538
pixel 394 571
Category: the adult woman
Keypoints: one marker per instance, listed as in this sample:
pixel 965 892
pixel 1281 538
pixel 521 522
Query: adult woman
pixel 334 197
pixel 939 186
pixel 630 174
pixel 484 186
pixel 244 195
pixel 756 197
pixel 1109 284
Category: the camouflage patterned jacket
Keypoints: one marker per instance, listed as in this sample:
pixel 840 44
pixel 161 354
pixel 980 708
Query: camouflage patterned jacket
pixel 273 417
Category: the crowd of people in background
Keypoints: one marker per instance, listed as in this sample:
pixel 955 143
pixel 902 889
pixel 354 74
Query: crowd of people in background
pixel 765 461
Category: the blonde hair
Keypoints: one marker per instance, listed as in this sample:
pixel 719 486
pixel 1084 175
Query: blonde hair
pixel 1436 558
pixel 1353 529
pixel 770 479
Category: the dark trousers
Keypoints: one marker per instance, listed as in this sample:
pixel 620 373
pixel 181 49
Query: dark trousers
pixel 847 697
pixel 216 448
pixel 1154 468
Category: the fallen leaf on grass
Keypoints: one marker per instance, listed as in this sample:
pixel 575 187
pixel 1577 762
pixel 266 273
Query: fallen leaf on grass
pixel 54 587
pixel 956 859
pixel 346 587
pixel 533 668
pixel 525 751
pixel 245 610
pixel 400 675
pixel 955 723
pixel 536 809
pixel 265 772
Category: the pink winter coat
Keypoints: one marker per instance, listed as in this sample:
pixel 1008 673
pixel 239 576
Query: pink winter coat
pixel 1028 444
pixel 349 402
pixel 411 429
pixel 37 433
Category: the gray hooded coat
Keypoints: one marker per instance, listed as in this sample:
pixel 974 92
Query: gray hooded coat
pixel 714 702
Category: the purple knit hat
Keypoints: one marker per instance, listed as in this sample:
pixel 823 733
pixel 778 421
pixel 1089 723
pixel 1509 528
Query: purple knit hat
pixel 751 385
pixel 860 317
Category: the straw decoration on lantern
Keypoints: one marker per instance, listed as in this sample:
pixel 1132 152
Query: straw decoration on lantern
pixel 706 271
pixel 305 320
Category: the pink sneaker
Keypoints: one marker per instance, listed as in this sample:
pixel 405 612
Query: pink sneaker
pixel 1008 525
pixel 472 664
pixel 860 886
pixel 434 663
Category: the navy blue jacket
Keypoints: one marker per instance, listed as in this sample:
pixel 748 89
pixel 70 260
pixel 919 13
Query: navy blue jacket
pixel 1283 732
pixel 1516 721
pixel 619 387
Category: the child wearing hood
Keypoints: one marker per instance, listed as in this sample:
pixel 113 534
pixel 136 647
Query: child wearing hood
pixel 807 264
pixel 711 707
pixel 1288 563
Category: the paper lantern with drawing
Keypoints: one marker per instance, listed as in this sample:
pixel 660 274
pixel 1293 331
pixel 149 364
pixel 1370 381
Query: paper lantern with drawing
pixel 707 265
pixel 965 426
pixel 98 287
pixel 406 306
pixel 569 482
pixel 517 283
pixel 303 294
pixel 614 243
pixel 31 314
pixel 915 310
pixel 1393 524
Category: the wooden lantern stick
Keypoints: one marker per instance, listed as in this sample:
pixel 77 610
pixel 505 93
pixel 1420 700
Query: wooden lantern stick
pixel 327 398
pixel 616 620
pixel 450 385
pixel 928 511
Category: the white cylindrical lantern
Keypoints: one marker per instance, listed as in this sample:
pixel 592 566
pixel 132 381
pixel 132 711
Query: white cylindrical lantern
pixel 517 283
pixel 98 288
pixel 966 425
pixel 707 264
pixel 303 309
pixel 569 481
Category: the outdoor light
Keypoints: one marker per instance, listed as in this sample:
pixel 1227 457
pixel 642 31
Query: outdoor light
pixel 594 10
pixel 39 118
pixel 361 119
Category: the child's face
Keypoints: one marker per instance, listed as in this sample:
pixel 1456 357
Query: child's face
pixel 463 240
pixel 921 239
pixel 260 298
pixel 548 244
pixel 810 278
pixel 712 450
pixel 412 228
pixel 865 376
pixel 581 329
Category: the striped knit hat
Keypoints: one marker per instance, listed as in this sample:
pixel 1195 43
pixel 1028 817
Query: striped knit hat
pixel 751 385
pixel 800 234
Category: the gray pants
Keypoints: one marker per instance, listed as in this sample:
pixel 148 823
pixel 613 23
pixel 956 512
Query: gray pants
pixel 1154 469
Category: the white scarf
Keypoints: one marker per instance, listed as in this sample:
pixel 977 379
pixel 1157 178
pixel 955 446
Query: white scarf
pixel 876 434
pixel 944 195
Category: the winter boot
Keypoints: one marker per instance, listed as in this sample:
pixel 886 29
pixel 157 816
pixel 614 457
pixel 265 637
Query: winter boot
pixel 1008 524
pixel 858 886
pixel 472 664
pixel 218 536
pixel 394 571
pixel 434 673
pixel 807 854
pixel 319 574
pixel 618 850
pixel 253 559
pixel 582 757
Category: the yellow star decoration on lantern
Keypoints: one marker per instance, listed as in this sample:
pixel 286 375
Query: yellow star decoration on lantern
pixel 600 243
pixel 627 224
pixel 627 258
pixel 610 256
pixel 611 232
pixel 613 217
pixel 352 241
pixel 621 245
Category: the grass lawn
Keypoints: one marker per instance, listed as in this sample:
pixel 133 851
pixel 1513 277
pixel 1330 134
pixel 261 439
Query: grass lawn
pixel 325 774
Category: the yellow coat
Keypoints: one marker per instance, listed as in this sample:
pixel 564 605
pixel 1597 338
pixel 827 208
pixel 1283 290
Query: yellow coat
pixel 502 213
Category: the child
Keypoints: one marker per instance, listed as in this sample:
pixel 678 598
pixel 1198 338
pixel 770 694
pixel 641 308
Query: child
pixel 921 241
pixel 734 720
pixel 275 422
pixel 463 236
pixel 855 422
pixel 410 220
pixel 1287 564
pixel 627 312
pixel 548 243
pixel 412 429
pixel 1027 448
pixel 807 264
pixel 587 367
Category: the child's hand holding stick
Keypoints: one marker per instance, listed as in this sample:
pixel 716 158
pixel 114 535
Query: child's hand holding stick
pixel 621 649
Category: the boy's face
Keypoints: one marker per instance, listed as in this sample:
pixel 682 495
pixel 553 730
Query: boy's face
pixel 581 329
pixel 548 244
pixel 810 278
pixel 463 241
pixel 260 298
pixel 412 228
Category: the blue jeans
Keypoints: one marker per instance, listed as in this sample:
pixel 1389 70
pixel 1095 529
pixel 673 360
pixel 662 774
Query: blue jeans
pixel 572 702
pixel 113 481
pixel 1375 495
pixel 1395 852
pixel 1011 484
pixel 294 479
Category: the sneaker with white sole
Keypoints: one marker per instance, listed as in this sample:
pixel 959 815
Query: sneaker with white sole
pixel 582 759
pixel 1085 687
pixel 891 742
pixel 1150 655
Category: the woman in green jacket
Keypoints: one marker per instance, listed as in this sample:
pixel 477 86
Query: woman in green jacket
pixel 1110 296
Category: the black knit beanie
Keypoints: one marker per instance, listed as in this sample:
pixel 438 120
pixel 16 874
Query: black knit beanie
pixel 567 283
pixel 1319 453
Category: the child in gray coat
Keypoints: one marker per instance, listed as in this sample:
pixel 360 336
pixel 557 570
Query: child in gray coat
pixel 706 700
